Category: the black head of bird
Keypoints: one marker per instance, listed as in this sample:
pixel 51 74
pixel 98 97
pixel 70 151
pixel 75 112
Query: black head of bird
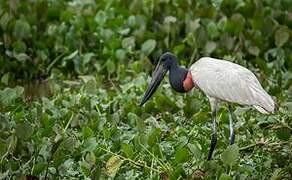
pixel 177 75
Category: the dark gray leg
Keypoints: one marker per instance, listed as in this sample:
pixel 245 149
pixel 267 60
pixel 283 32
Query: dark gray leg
pixel 214 135
pixel 231 117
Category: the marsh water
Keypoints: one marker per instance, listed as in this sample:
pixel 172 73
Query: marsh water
pixel 35 89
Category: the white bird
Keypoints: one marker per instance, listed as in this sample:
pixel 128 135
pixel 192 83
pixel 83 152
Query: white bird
pixel 220 80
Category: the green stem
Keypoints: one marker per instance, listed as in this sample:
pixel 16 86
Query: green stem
pixel 165 166
pixel 54 62
pixel 68 123
pixel 260 143
pixel 132 161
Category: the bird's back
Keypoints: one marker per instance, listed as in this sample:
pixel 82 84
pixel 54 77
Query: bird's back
pixel 230 82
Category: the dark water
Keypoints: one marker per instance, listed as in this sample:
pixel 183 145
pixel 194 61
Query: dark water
pixel 37 89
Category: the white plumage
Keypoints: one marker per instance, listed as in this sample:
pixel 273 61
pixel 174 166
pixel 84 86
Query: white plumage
pixel 220 80
pixel 230 82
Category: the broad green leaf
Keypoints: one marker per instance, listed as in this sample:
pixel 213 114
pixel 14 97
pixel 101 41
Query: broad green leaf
pixel 5 79
pixel 225 177
pixel 85 168
pixel 87 132
pixel 154 136
pixel 182 155
pixel 128 43
pixel 4 175
pixel 230 155
pixel 254 50
pixel 195 150
pixel 19 47
pixel 178 172
pixel 133 118
pixel 90 158
pixel 170 19
pixel 128 150
pixel 148 46
pixel 21 29
pixel 12 143
pixel 58 131
pixel 113 165
pixel 179 49
pixel 284 134
pixel 110 66
pixel 71 56
pixel 24 130
pixel 212 30
pixel 107 35
pixel 22 57
pixel 4 20
pixel 39 167
pixel 276 174
pixel 210 47
pixel 100 17
pixel 124 31
pixel 70 143
pixel 90 85
pixel 89 145
pixel 87 78
pixel 120 54
pixel 281 37
pixel 87 57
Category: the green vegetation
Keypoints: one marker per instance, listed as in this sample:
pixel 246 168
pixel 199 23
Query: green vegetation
pixel 96 59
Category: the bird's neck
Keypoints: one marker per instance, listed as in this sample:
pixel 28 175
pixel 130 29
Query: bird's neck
pixel 180 78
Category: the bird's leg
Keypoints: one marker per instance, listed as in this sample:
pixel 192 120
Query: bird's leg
pixel 214 135
pixel 231 117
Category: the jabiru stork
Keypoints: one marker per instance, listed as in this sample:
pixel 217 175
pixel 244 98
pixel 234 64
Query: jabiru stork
pixel 220 80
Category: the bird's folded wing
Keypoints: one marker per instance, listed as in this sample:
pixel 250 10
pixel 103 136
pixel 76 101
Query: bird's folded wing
pixel 232 83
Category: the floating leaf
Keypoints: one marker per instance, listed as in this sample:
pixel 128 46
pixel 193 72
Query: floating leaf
pixel 212 30
pixel 148 46
pixel 21 29
pixel 210 47
pixel 170 19
pixel 182 155
pixel 4 175
pixel 8 95
pixel 5 79
pixel 71 56
pixel 128 150
pixel 12 143
pixel 230 155
pixel 153 136
pixel 87 57
pixel 113 165
pixel 284 134
pixel 128 43
pixel 100 17
pixel 196 151
pixel 277 174
pixel 254 50
pixel 110 66
pixel 120 54
pixel 90 144
pixel 90 158
pixel 281 37
pixel 225 177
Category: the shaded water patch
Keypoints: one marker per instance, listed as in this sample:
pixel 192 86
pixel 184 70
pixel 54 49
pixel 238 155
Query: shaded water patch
pixel 37 89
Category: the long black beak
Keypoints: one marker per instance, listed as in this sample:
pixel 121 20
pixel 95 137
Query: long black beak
pixel 157 77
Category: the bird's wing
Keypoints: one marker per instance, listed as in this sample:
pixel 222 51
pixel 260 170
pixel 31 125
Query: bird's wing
pixel 230 82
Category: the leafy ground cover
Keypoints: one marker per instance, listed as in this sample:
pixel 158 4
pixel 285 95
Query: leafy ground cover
pixel 92 61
